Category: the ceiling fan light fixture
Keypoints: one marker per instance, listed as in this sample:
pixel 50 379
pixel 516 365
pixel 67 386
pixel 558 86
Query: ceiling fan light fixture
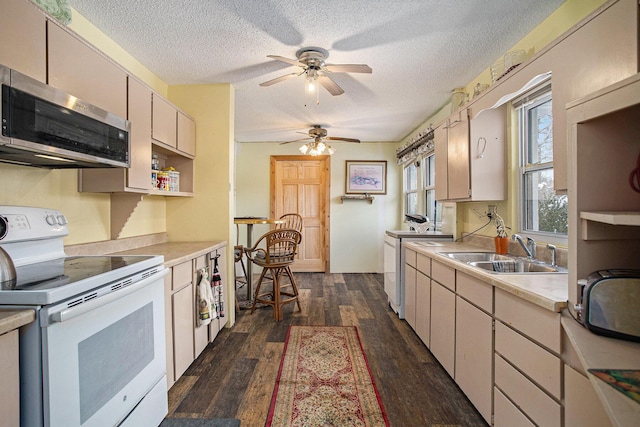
pixel 304 149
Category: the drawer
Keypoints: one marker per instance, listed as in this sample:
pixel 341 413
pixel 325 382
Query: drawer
pixel 505 414
pixel 181 274
pixel 475 291
pixel 537 323
pixel 531 400
pixel 540 365
pixel 424 264
pixel 410 257
pixel 443 274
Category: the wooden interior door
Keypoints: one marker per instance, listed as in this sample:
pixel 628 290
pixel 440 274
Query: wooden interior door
pixel 299 184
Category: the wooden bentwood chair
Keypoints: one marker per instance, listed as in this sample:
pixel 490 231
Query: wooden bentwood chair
pixel 292 220
pixel 275 251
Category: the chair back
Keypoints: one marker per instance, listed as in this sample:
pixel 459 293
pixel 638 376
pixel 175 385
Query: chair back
pixel 292 221
pixel 275 248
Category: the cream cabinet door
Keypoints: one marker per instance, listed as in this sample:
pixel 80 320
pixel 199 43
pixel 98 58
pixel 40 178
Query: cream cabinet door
pixel 443 321
pixel 183 316
pixel 186 134
pixel 423 307
pixel 168 324
pixel 79 69
pixel 474 355
pixel 458 167
pixel 410 276
pixel 488 151
pixel 139 174
pixel 23 35
pixel 163 121
pixel 9 372
pixel 440 135
pixel 582 407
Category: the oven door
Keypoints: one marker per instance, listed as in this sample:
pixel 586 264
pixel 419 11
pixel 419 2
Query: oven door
pixel 102 357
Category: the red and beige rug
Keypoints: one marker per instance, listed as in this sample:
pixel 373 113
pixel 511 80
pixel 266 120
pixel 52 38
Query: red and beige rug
pixel 324 380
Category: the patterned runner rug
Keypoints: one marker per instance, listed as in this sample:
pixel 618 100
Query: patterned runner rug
pixel 324 380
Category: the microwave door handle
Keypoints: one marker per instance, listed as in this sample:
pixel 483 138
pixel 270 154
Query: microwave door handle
pixel 81 309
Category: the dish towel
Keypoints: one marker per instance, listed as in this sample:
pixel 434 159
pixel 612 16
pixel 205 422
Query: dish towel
pixel 205 299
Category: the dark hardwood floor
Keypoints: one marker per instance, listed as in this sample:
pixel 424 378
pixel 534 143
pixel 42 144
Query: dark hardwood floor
pixel 235 375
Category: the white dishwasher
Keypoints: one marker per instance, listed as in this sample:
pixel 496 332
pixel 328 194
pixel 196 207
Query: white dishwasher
pixel 394 262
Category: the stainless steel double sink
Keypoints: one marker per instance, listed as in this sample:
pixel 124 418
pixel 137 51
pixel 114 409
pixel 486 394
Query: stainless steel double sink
pixel 504 264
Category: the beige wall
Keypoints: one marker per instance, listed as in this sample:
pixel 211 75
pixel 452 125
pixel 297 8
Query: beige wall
pixel 356 227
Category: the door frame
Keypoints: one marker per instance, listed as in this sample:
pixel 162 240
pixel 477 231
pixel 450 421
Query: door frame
pixel 327 195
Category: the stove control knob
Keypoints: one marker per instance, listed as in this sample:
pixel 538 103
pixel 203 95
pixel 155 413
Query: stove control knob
pixel 62 220
pixel 51 219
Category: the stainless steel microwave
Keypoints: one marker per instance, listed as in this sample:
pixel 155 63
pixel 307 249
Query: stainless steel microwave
pixel 45 127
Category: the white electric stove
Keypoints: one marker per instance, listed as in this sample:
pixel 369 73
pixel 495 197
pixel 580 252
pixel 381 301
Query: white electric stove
pixel 96 353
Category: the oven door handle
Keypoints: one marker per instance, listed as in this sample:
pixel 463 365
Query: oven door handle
pixel 81 309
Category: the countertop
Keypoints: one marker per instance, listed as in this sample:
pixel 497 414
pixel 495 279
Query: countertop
pixel 13 319
pixel 549 291
pixel 175 252
pixel 406 234
pixel 598 352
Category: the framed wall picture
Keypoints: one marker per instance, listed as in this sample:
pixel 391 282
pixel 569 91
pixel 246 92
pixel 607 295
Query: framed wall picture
pixel 366 176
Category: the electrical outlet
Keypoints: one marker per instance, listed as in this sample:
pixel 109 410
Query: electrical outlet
pixel 492 208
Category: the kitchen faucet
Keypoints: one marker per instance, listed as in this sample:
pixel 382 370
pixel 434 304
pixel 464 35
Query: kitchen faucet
pixel 552 248
pixel 529 247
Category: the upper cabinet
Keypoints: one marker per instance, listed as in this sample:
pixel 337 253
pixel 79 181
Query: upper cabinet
pixel 172 128
pixel 604 213
pixel 472 156
pixel 24 39
pixel 599 51
pixel 186 134
pixel 488 155
pixel 79 69
pixel 136 178
pixel 458 172
pixel 164 121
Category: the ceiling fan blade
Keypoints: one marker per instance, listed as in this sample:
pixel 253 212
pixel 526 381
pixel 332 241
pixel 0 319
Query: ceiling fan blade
pixel 295 140
pixel 287 60
pixel 278 79
pixel 348 68
pixel 330 85
pixel 338 138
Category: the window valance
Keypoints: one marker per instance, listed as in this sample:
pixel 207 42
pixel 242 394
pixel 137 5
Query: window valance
pixel 421 144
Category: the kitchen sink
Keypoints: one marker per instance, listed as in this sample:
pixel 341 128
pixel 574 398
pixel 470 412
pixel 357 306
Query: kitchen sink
pixel 476 256
pixel 503 264
pixel 517 266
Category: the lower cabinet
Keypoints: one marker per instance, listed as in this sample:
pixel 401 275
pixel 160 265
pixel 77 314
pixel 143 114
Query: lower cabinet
pixel 9 372
pixel 582 407
pixel 474 355
pixel 503 352
pixel 185 338
pixel 443 326
pixel 423 307
pixel 528 368
pixel 410 276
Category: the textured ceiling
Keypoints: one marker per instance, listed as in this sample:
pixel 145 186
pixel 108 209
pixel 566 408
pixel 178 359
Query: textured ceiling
pixel 419 51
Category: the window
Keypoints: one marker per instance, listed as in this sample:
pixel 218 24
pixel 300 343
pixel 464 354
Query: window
pixel 542 211
pixel 411 189
pixel 432 210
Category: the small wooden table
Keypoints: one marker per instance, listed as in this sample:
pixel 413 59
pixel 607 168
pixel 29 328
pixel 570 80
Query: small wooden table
pixel 250 221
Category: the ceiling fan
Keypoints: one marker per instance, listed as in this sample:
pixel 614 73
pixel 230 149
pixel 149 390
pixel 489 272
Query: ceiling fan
pixel 316 146
pixel 311 60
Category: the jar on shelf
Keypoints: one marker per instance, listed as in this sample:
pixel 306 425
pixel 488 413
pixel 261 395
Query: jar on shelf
pixel 155 163
pixel 163 181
